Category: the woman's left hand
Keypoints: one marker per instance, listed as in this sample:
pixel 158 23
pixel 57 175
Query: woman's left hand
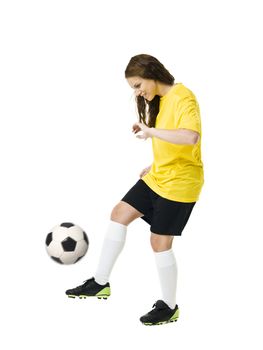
pixel 146 131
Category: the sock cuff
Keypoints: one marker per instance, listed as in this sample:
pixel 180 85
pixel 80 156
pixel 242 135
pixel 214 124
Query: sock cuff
pixel 165 258
pixel 116 231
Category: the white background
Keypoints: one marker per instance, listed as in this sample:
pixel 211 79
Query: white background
pixel 68 154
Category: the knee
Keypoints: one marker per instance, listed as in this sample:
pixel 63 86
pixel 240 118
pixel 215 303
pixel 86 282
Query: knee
pixel 124 213
pixel 155 243
pixel 160 243
pixel 117 213
pixel 120 213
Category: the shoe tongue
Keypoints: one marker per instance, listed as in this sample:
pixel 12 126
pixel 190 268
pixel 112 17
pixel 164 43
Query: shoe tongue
pixel 160 304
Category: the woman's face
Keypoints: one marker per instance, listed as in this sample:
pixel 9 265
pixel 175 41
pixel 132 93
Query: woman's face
pixel 143 87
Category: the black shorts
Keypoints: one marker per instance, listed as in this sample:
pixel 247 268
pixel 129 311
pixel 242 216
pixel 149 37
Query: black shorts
pixel 165 216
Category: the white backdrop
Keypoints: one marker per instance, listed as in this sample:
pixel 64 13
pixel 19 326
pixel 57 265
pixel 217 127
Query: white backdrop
pixel 68 154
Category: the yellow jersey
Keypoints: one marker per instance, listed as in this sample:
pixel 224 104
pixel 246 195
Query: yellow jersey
pixel 177 170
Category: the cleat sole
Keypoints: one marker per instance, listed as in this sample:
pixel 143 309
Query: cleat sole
pixel 105 297
pixel 102 294
pixel 159 323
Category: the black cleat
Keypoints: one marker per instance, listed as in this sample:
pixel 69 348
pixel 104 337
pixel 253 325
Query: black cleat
pixel 161 314
pixel 90 288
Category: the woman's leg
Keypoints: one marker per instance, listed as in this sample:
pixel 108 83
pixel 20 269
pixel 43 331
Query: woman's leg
pixel 166 266
pixel 121 216
pixel 161 243
pixel 124 213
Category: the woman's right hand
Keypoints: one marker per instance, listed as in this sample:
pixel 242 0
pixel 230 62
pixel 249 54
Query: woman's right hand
pixel 145 171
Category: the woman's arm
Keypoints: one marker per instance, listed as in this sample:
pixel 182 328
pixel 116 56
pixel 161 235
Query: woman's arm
pixel 175 136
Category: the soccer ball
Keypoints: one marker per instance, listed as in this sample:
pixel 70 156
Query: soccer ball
pixel 67 243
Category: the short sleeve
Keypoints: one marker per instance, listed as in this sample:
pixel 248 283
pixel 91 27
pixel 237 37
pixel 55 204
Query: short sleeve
pixel 189 115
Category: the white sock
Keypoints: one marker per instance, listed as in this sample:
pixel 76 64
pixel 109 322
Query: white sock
pixel 112 246
pixel 167 270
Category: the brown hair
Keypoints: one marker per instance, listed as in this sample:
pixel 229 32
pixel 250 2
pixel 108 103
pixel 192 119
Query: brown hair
pixel 148 67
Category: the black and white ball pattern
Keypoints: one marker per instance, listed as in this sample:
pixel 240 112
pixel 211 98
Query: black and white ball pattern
pixel 67 243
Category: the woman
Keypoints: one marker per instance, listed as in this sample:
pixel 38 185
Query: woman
pixel 167 190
